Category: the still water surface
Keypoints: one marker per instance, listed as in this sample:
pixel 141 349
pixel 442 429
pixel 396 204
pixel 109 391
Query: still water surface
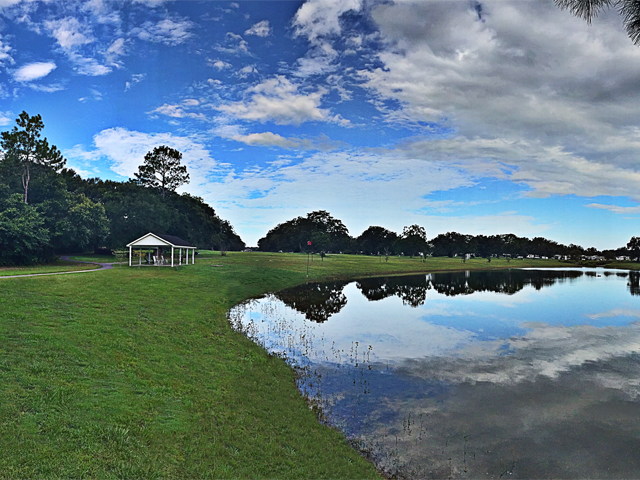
pixel 519 373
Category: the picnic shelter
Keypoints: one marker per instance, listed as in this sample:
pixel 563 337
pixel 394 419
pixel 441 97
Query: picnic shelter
pixel 159 242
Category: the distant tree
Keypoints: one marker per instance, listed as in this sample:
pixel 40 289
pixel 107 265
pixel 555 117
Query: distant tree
pixel 487 247
pixel 375 240
pixel 162 170
pixel 588 9
pixel 320 228
pixel 451 243
pixel 414 240
pixel 89 223
pixel 634 247
pixel 22 232
pixel 576 252
pixel 23 147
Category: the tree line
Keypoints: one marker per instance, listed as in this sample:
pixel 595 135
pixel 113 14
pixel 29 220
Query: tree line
pixel 47 209
pixel 318 231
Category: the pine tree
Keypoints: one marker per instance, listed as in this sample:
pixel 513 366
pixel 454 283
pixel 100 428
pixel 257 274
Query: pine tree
pixel 24 147
pixel 162 170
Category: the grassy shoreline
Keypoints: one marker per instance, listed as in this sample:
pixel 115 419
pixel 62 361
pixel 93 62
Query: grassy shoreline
pixel 135 372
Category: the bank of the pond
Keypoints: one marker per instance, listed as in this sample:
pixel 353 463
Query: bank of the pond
pixel 135 372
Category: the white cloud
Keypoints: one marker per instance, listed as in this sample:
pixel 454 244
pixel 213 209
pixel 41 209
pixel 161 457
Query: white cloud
pixel 219 64
pixel 260 29
pixel 89 66
pixel 151 3
pixel 115 50
pixel 33 71
pixel 616 208
pixel 54 87
pixel 5 118
pixel 267 139
pixel 69 32
pixel 548 170
pixel 71 35
pixel 167 31
pixel 321 18
pixel 8 3
pixel 135 79
pixel 178 111
pixel 244 72
pixel 270 139
pixel 5 56
pixel 278 100
pixel 319 60
pixel 235 45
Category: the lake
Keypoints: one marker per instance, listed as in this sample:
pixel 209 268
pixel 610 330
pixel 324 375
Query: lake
pixel 519 373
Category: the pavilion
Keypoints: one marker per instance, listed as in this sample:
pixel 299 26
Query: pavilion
pixel 157 241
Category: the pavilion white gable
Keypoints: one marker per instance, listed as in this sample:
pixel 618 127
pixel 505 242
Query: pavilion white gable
pixel 151 240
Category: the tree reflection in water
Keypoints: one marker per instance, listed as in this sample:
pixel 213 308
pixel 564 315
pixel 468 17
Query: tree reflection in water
pixel 317 301
pixel 411 289
pixel 507 282
pixel 634 283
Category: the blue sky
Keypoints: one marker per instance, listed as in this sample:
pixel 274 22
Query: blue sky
pixel 478 117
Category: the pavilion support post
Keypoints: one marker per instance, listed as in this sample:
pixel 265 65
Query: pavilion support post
pixel 139 258
pixel 171 256
pixel 130 248
pixel 193 256
pixel 180 256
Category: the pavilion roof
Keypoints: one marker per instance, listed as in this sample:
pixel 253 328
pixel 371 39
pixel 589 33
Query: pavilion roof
pixel 176 241
pixel 161 239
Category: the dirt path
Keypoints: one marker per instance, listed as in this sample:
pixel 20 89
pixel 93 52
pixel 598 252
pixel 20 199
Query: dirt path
pixel 103 266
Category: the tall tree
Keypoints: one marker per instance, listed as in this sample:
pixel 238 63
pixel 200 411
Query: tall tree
pixel 634 247
pixel 588 9
pixel 162 170
pixel 23 146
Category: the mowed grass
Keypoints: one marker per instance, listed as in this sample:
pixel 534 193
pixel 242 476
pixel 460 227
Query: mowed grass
pixel 135 373
pixel 54 267
pixel 87 257
pixel 624 265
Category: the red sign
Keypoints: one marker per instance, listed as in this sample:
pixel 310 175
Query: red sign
pixel 309 242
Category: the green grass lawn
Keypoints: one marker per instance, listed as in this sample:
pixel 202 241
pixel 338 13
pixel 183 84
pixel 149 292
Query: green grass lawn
pixel 624 265
pixel 54 267
pixel 135 372
pixel 89 257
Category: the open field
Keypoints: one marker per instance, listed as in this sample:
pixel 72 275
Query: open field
pixel 136 373
pixel 59 266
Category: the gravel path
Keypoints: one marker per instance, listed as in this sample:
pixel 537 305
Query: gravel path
pixel 103 266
